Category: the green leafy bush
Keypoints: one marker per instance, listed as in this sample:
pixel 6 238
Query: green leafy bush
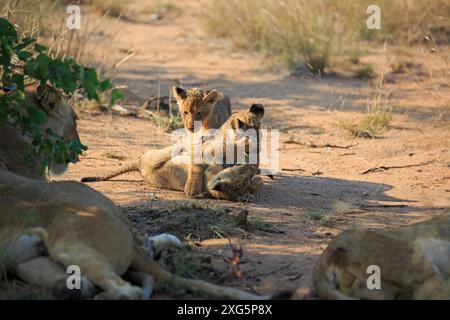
pixel 21 58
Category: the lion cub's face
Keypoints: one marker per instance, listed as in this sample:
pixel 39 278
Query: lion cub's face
pixel 62 119
pixel 195 105
pixel 234 179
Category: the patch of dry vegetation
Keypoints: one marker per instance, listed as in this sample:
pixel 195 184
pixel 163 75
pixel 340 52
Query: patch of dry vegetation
pixel 46 20
pixel 113 8
pixel 378 115
pixel 315 33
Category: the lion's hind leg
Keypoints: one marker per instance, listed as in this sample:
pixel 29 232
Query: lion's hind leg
pixel 97 269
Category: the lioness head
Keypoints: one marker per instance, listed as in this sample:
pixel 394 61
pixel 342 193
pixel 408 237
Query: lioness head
pixel 62 119
pixel 194 104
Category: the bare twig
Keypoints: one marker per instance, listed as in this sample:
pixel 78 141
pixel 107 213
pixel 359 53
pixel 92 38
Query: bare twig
pixel 383 206
pixel 310 144
pixel 293 169
pixel 270 272
pixel 386 168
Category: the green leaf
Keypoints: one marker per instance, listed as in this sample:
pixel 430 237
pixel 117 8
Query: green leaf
pixel 76 147
pixel 18 80
pixel 24 55
pixel 6 53
pixel 105 85
pixel 40 48
pixel 62 76
pixel 116 95
pixel 7 31
pixel 24 43
pixel 37 116
pixel 90 83
pixel 38 68
pixel 42 166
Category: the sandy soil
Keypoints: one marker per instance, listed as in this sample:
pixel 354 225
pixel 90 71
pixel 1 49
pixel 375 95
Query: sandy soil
pixel 312 182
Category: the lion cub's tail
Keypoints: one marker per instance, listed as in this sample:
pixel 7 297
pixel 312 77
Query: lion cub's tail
pixel 134 166
pixel 144 264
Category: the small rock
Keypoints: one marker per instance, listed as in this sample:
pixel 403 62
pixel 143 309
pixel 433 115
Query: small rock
pixel 155 17
pixel 119 109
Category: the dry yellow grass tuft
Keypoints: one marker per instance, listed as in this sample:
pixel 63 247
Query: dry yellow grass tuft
pixel 378 115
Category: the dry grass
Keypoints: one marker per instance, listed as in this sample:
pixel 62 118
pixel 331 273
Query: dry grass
pixel 30 17
pixel 296 31
pixel 436 91
pixel 316 32
pixel 378 115
pixel 366 72
pixel 113 8
pixel 46 20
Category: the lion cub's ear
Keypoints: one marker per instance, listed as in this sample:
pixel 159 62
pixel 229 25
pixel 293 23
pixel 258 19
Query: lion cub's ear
pixel 210 96
pixel 257 109
pixel 179 93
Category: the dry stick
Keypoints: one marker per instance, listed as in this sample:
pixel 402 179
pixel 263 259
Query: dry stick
pixel 386 168
pixel 292 169
pixel 170 104
pixel 128 56
pixel 383 206
pixel 270 272
pixel 314 145
pixel 159 89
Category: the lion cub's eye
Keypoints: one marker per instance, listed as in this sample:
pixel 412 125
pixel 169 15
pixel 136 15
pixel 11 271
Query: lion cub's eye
pixel 186 113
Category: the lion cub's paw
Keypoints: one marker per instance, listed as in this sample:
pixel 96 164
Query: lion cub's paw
pixel 193 187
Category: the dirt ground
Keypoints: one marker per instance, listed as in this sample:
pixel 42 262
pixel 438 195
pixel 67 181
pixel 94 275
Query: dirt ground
pixel 317 193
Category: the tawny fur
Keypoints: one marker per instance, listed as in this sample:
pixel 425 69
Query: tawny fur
pixel 61 119
pixel 210 109
pixel 414 262
pixel 47 227
pixel 226 181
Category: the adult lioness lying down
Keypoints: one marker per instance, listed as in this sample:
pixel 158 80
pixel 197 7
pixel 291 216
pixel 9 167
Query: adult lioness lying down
pixel 414 263
pixel 47 227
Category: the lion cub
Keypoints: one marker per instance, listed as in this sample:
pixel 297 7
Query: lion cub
pixel 209 107
pixel 414 263
pixel 226 181
pixel 200 111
